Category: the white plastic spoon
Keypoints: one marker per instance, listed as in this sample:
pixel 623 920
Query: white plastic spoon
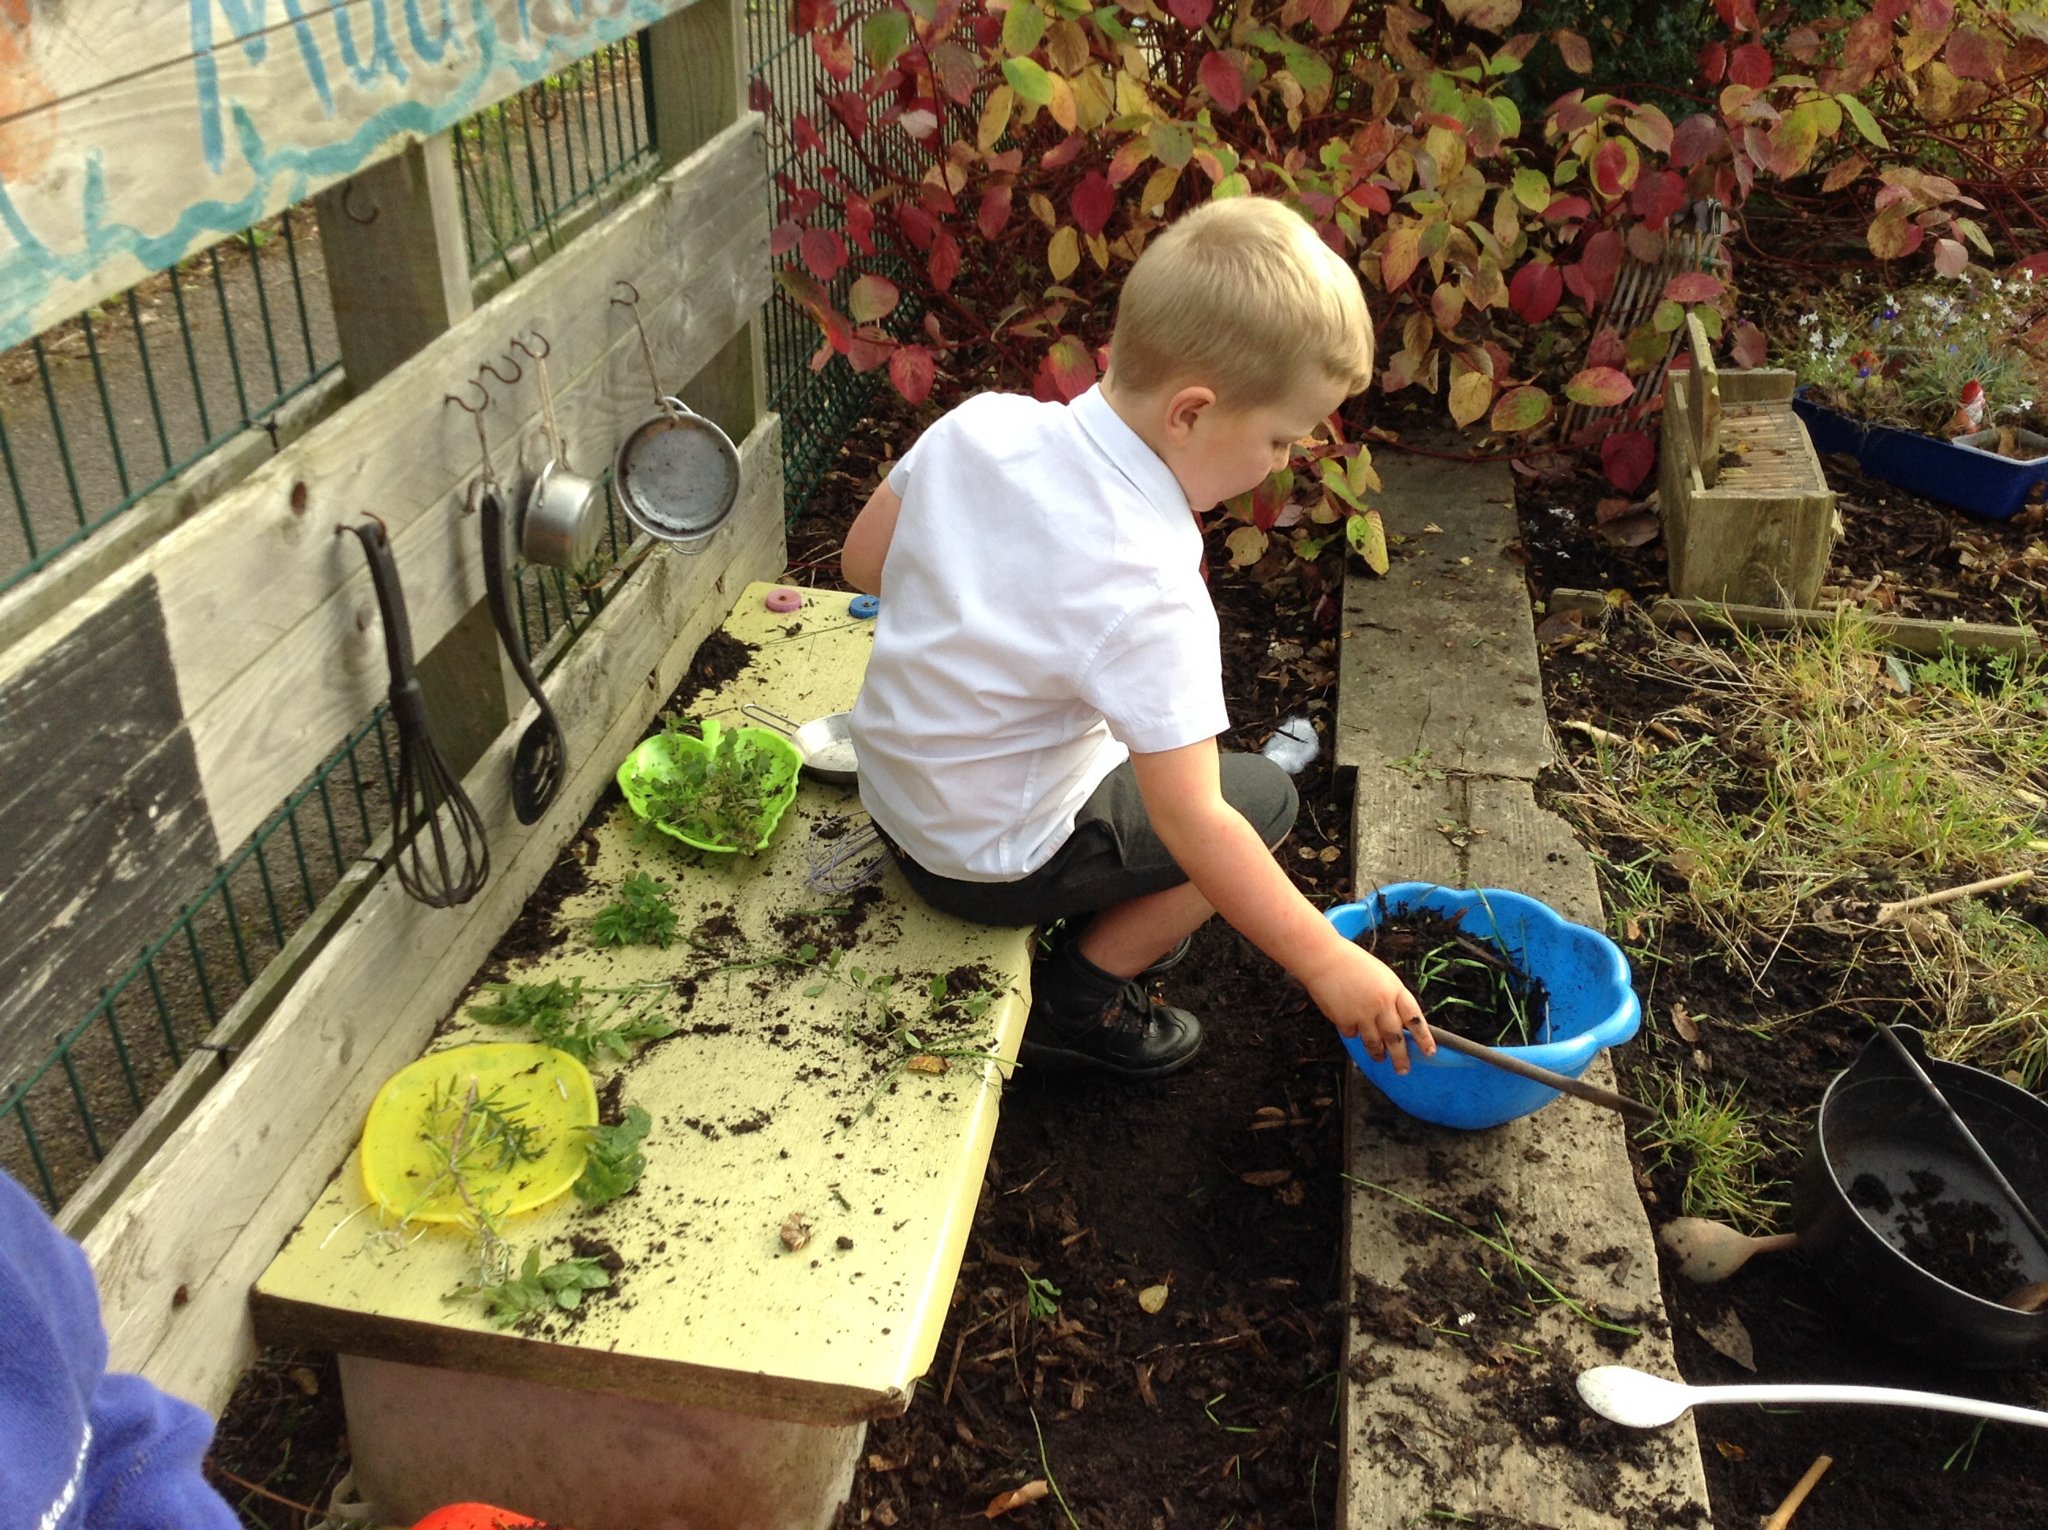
pixel 1642 1401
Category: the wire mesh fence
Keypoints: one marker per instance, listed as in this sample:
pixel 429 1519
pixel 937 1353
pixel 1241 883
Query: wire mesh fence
pixel 787 80
pixel 99 411
pixel 530 165
pixel 69 1110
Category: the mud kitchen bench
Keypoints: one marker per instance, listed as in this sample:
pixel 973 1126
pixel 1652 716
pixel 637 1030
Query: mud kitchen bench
pixel 724 1380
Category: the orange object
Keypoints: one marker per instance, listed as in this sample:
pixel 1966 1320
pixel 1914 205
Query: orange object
pixel 473 1516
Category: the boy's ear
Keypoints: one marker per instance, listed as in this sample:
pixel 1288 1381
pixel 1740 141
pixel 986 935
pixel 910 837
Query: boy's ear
pixel 1184 410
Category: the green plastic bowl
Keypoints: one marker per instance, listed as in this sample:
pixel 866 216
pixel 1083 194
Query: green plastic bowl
pixel 655 759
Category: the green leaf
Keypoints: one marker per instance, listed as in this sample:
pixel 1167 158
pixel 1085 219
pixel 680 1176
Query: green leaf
pixel 1865 123
pixel 1337 482
pixel 1023 26
pixel 1508 115
pixel 1532 189
pixel 1520 409
pixel 884 35
pixel 1368 538
pixel 1968 228
pixel 1669 315
pixel 1600 388
pixel 1029 79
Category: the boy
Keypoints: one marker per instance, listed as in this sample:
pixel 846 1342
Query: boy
pixel 1037 727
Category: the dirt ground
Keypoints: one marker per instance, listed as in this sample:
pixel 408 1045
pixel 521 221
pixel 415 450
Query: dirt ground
pixel 1215 1197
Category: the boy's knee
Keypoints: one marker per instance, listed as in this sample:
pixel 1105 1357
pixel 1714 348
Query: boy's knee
pixel 1263 792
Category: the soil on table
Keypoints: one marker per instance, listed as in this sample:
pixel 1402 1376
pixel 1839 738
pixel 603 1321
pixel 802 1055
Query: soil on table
pixel 1783 1040
pixel 1464 984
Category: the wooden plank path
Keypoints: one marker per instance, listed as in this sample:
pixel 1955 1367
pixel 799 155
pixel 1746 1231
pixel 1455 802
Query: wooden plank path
pixel 1440 710
pixel 773 1101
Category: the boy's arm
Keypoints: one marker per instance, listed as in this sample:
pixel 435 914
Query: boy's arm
pixel 867 540
pixel 1229 865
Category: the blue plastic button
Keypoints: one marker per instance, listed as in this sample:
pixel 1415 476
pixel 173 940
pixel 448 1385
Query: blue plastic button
pixel 863 606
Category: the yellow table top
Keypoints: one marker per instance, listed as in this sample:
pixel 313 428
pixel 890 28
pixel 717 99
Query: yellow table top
pixel 778 1098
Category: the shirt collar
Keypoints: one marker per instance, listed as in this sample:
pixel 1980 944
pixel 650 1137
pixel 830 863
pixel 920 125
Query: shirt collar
pixel 1128 453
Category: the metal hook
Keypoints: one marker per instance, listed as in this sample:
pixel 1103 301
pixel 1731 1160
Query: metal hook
pixel 449 398
pixel 632 305
pixel 348 190
pixel 548 348
pixel 491 367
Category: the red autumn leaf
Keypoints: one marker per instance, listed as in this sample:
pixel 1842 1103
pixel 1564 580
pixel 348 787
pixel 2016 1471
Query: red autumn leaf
pixel 1223 77
pixel 1748 346
pixel 1066 371
pixel 994 213
pixel 912 370
pixel 1615 164
pixel 1696 139
pixel 1600 388
pixel 835 52
pixel 1535 291
pixel 1751 66
pixel 860 223
pixel 823 252
pixel 1975 55
pixel 957 71
pixel 1950 258
pixel 944 263
pixel 1607 349
pixel 783 237
pixel 1092 203
pixel 1065 152
pixel 851 108
pixel 1564 209
pixel 1658 196
pixel 1191 13
pixel 809 15
pixel 1713 62
pixel 871 348
pixel 804 136
pixel 1368 197
pixel 1694 287
pixel 1574 50
pixel 918 225
pixel 760 98
pixel 1627 458
pixel 810 295
pixel 1736 15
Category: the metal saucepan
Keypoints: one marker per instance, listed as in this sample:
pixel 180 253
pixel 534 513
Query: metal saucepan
pixel 1887 1183
pixel 564 519
pixel 677 476
pixel 826 743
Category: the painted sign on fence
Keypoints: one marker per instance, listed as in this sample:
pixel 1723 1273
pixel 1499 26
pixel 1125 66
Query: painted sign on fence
pixel 132 136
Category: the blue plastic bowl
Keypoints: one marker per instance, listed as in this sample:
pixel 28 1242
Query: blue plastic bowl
pixel 1584 973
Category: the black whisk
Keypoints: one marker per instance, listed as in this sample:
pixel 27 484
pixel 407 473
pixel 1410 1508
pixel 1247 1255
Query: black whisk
pixel 441 857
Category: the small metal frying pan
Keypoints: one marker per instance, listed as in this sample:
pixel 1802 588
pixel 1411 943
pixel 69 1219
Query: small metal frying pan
pixel 826 743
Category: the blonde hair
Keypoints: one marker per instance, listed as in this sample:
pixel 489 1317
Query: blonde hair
pixel 1240 295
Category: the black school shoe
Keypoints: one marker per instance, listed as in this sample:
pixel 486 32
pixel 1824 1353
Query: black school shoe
pixel 1083 1017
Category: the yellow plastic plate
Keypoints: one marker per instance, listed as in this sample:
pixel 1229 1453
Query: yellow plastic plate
pixel 539 1087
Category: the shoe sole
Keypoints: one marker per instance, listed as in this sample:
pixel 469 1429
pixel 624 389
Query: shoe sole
pixel 1034 1054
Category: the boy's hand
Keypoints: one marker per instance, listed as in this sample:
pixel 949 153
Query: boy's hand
pixel 1363 998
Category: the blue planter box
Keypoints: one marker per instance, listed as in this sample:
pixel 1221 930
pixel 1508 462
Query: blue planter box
pixel 1967 477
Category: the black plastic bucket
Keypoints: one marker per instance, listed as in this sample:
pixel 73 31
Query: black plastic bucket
pixel 1884 1160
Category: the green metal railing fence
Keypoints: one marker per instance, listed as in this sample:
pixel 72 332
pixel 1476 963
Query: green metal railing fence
pixel 817 408
pixel 531 163
pixel 64 1116
pixel 98 412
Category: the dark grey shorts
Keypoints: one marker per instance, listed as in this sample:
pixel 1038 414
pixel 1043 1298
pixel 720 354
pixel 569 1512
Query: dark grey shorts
pixel 1112 856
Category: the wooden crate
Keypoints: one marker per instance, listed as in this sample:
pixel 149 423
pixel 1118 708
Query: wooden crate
pixel 1748 516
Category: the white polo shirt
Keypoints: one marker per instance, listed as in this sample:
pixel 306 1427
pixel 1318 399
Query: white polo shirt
pixel 1043 614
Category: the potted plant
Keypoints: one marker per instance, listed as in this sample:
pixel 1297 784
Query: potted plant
pixel 1934 388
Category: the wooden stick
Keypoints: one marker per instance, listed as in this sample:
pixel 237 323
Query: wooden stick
pixel 1592 1093
pixel 1782 1515
pixel 1887 912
